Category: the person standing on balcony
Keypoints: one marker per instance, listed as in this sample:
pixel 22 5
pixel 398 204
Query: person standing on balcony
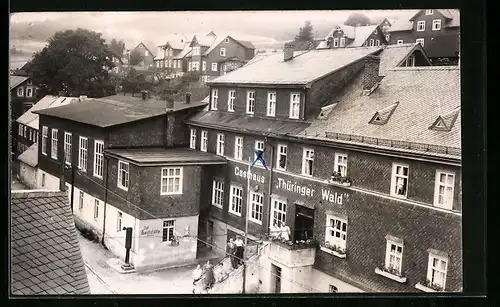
pixel 240 249
pixel 285 232
pixel 231 250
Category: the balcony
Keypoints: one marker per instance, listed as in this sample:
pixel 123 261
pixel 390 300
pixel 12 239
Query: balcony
pixel 293 254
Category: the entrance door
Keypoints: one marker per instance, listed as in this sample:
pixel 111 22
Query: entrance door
pixel 276 277
pixel 210 234
pixel 304 223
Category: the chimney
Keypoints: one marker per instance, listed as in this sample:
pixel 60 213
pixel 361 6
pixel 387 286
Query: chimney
pixel 288 52
pixel 188 97
pixel 371 74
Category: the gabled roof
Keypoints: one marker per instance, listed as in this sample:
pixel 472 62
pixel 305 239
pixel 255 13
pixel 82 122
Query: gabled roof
pixel 45 252
pixel 246 44
pixel 405 24
pixel 357 34
pixel 203 40
pixel 446 121
pixel 394 55
pixel 305 67
pixel 30 156
pixel 16 81
pixel 222 37
pixel 184 52
pixel 30 119
pixel 138 44
pixel 175 41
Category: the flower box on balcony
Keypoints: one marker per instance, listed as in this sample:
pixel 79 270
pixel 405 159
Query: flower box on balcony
pixel 387 274
pixel 337 179
pixel 331 251
pixel 295 245
pixel 428 287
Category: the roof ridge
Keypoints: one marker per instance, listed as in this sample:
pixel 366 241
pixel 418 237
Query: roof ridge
pixel 36 193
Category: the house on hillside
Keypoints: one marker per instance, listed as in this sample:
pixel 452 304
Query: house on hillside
pixel 438 31
pixel 342 36
pixel 22 95
pixel 384 25
pixel 171 55
pixel 145 59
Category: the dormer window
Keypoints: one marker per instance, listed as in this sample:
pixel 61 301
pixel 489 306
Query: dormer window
pixel 226 40
pixel 446 121
pixel 381 117
pixel 429 12
pixel 410 61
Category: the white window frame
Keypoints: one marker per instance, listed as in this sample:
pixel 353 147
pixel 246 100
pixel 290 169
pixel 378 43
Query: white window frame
pixel 395 176
pixel 20 92
pixel 169 226
pixel 436 25
pixel 204 65
pixel 259 145
pixel 342 42
pixel 388 37
pixel 421 26
pixel 218 193
pixel 81 199
pixel 214 66
pixel 339 237
pixel 98 158
pixel 68 142
pixel 83 154
pixel 196 50
pixel 250 102
pixel 295 105
pixel 448 196
pixel 189 66
pixel 222 51
pixel 226 40
pixel 123 175
pixel 335 42
pixel 204 140
pixel 278 214
pixel 231 97
pixel 399 42
pixel 45 139
pixel 20 130
pixel 96 209
pixel 306 156
pixel 235 199
pixel 394 259
pixel 282 151
pixel 377 42
pixel 372 42
pixel 431 268
pixel 215 98
pixel 429 12
pixel 256 208
pixel 119 220
pixel 54 143
pixel 238 147
pixel 271 104
pixel 171 174
pixel 192 139
pixel 25 128
pixel 220 144
pixel 420 41
pixel 342 165
pixel 29 92
pixel 410 61
pixel 332 289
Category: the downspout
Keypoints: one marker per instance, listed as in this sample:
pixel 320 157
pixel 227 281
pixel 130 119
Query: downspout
pixel 271 166
pixel 106 159
pixel 306 88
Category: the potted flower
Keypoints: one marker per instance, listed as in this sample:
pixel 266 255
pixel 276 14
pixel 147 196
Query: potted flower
pixel 433 286
pixel 345 181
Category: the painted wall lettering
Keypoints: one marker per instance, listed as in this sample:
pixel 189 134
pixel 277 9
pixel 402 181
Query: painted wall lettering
pixel 146 231
pixel 246 174
pixel 326 195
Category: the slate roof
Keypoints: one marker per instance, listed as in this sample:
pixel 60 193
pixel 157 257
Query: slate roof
pixel 184 52
pixel 45 252
pixel 114 110
pixel 16 80
pixel 405 24
pixel 358 34
pixel 421 100
pixel 221 37
pixel 305 67
pixel 393 55
pixel 174 156
pixel 30 156
pixel 31 119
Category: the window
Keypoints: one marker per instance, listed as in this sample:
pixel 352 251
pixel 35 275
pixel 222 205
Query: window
pixel 53 148
pixel 271 104
pixel 336 231
pixel 226 40
pixel 196 50
pixel 238 148
pixel 259 145
pixel 436 25
pixel 196 66
pixel 332 289
pixel 335 42
pixel 399 180
pixel 168 231
pixel 394 256
pixel 375 32
pixel 204 140
pixel 29 82
pixel 218 193
pixel 20 92
pixel 146 53
pixel 215 97
pixel 230 100
pixel 420 41
pixel 278 214
pixel 437 269
pixel 119 221
pixel 25 128
pixel 175 63
pixel 340 164
pixel 307 162
pixel 421 25
pixel 443 194
pixel 410 61
pixel 342 42
pixel 372 42
pixel 204 65
pixel 282 151
pixel 220 144
pixel 222 51
pixel 377 42
pixel 400 42
pixel 189 66
pixel 236 199
pixel 257 205
pixel 171 180
pixel 20 129
pixel 82 159
pixel 387 37
pixel 123 175
pixel 98 158
pixel 96 209
pixel 250 102
pixel 294 105
pixel 45 139
pixel 214 66
pixel 43 180
pixel 192 142
pixel 68 140
pixel 29 92
pixel 429 12
pixel 80 201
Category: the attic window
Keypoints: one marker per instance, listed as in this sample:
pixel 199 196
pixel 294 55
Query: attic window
pixel 326 110
pixel 381 117
pixel 445 122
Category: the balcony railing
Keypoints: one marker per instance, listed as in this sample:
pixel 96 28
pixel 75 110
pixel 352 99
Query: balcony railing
pixel 293 254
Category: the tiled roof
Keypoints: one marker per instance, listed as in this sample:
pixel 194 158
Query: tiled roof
pixel 305 67
pixel 184 52
pixel 45 252
pixel 421 100
pixel 31 119
pixel 247 123
pixel 393 55
pixel 174 156
pixel 16 80
pixel 114 110
pixel 30 156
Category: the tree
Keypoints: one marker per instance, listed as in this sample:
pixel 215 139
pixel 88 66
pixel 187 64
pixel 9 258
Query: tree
pixel 305 33
pixel 136 58
pixel 357 19
pixel 117 47
pixel 74 61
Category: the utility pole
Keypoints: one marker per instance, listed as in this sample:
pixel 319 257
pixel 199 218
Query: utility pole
pixel 246 228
